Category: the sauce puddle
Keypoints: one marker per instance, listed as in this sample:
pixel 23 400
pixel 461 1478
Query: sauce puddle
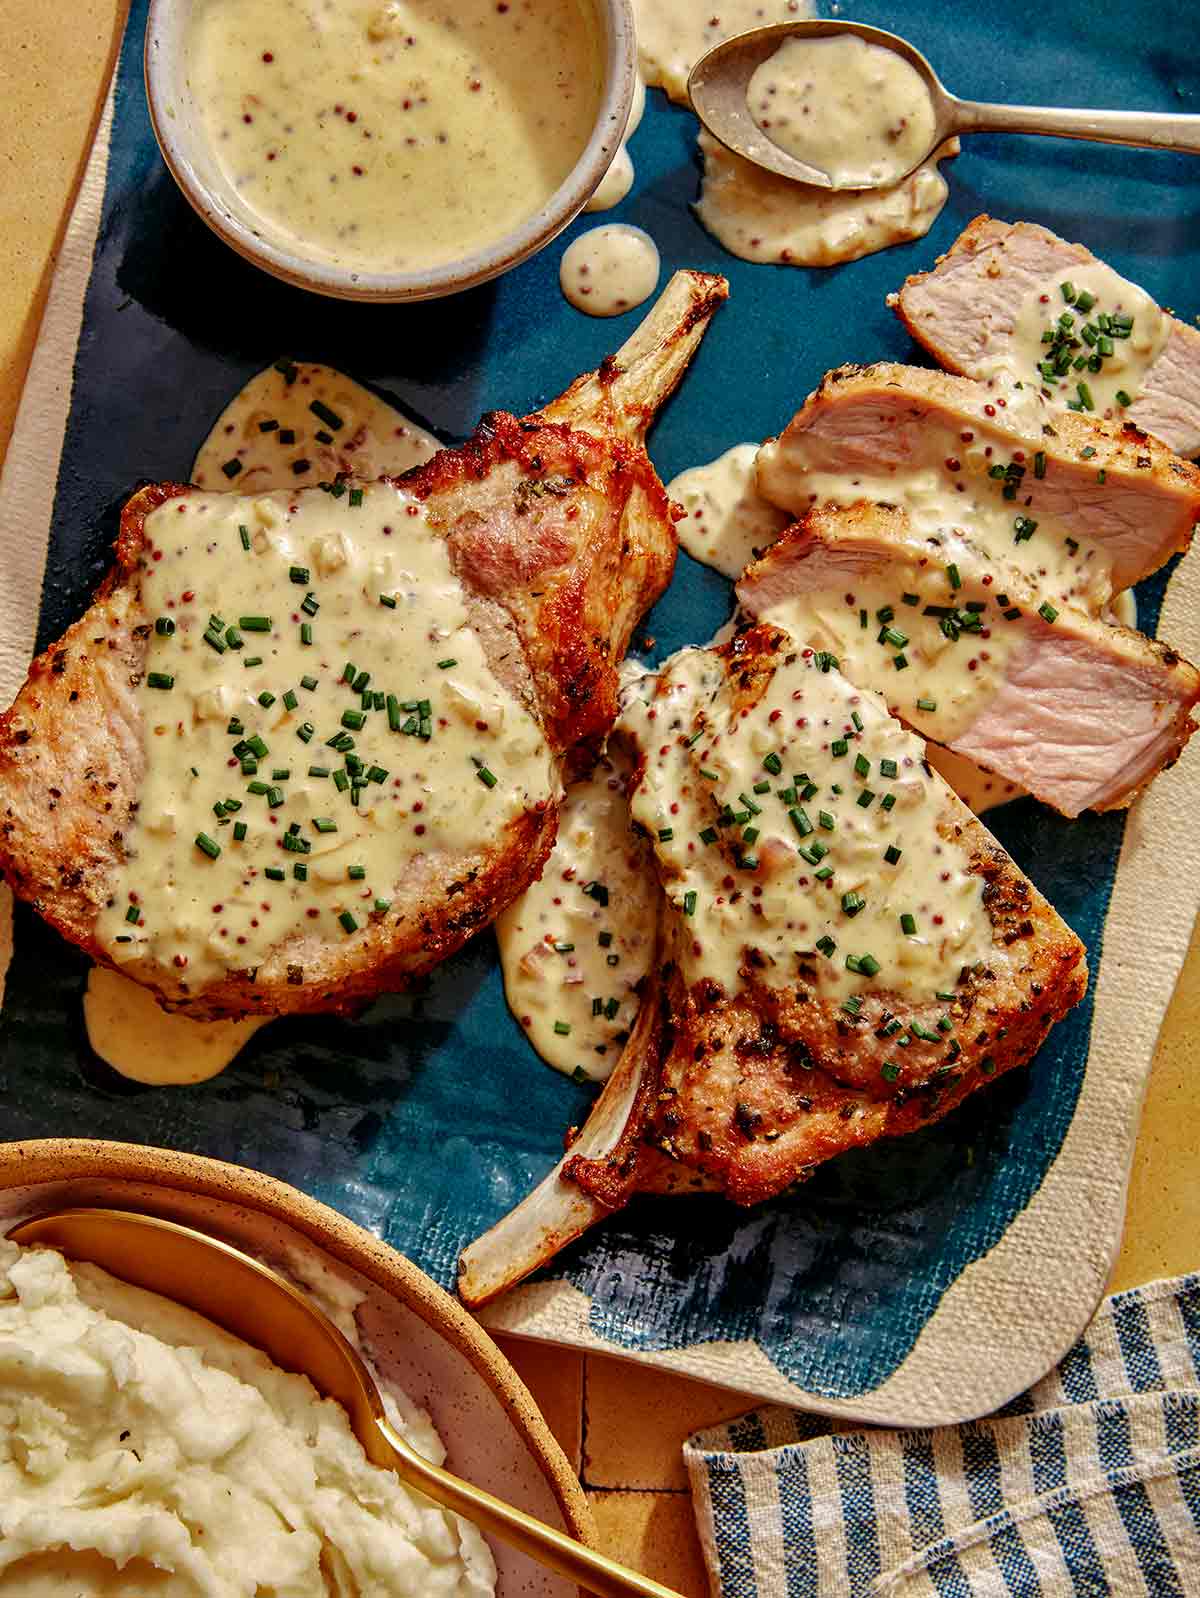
pixel 608 270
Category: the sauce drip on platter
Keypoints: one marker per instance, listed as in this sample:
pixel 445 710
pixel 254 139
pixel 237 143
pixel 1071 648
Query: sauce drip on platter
pixel 609 270
pixel 576 944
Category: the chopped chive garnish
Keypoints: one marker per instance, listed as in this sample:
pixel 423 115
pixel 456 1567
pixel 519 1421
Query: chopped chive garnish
pixel 1047 611
pixel 689 902
pixel 709 835
pixel 709 776
pixel 896 639
pixel 348 921
pixel 353 719
pixel 239 831
pixel 356 873
pixel 953 575
pixel 164 627
pixel 1085 396
pixel 290 699
pixel 356 498
pixel 266 699
pixel 349 672
pixel 207 845
pixel 232 467
pixel 889 1070
pixel 772 763
pixel 839 746
pixel 1123 398
pixel 862 766
pixel 927 704
pixel 325 824
pixel 360 682
pixel 900 662
pixel 800 821
pixel 562 1028
pixel 665 834
pixel 322 412
pixel 318 771
pixel 908 925
pixel 159 679
pixel 888 768
pixel 888 800
pixel 891 854
pixel 233 638
pixel 299 574
pixel 826 820
pixel 306 633
pixel 865 798
pixel 486 777
pixel 215 641
pixel 244 535
pixel 255 624
pixel 827 946
pixel 853 902
pixel 341 781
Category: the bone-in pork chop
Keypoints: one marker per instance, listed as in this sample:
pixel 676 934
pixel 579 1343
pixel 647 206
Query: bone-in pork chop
pixel 303 745
pixel 844 951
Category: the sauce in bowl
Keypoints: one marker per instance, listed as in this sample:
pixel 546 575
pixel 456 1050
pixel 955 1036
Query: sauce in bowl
pixel 393 135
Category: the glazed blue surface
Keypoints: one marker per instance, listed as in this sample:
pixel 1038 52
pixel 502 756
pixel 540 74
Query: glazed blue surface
pixel 430 1116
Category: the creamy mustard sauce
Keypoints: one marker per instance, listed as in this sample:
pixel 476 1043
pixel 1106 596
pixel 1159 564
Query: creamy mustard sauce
pixel 950 487
pixel 336 737
pixel 270 435
pixel 577 943
pixel 761 217
pixel 608 270
pixel 618 180
pixel 803 829
pixel 674 34
pixel 1088 337
pixel 978 789
pixel 922 628
pixel 394 135
pixel 858 113
pixel 130 1031
pixel 727 522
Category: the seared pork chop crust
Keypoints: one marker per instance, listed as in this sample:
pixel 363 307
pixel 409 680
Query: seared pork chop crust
pixel 562 536
pixel 747 1093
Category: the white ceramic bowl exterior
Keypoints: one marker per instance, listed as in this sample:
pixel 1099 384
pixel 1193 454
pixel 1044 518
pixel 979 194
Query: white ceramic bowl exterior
pixel 420 1339
pixel 185 149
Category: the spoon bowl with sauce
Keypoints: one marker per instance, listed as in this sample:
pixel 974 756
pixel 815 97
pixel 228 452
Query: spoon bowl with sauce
pixel 841 105
pixel 254 1303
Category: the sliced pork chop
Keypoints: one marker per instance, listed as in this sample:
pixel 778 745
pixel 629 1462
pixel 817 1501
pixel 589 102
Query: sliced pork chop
pixel 1080 713
pixel 965 312
pixel 559 535
pixel 1127 500
pixel 829 970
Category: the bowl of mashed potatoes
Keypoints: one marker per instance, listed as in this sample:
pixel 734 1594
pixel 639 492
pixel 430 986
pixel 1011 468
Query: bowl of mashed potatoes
pixel 143 1450
pixel 389 149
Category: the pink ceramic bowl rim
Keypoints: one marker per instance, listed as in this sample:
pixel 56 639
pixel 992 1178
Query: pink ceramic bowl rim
pixel 55 1160
pixel 164 30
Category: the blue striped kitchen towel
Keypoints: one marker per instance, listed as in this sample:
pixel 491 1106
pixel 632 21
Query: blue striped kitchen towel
pixel 1088 1484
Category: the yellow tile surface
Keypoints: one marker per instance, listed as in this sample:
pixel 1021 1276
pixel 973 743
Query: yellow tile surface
pixel 555 1378
pixel 54 67
pixel 638 1418
pixel 656 1534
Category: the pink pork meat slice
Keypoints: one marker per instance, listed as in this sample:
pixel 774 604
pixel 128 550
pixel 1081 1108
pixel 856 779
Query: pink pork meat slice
pixel 1112 503
pixel 1081 713
pixel 968 310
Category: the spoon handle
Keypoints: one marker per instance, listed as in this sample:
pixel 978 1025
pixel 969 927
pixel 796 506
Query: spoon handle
pixel 554 1549
pixel 1149 130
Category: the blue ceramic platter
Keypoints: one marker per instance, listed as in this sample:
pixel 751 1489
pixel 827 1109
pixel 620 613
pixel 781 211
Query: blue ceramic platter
pixel 430 1116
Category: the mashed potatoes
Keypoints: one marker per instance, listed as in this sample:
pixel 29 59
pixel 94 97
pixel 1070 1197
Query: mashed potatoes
pixel 142 1451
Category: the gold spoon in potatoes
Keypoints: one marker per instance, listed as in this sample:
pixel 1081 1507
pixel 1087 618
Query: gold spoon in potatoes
pixel 256 1304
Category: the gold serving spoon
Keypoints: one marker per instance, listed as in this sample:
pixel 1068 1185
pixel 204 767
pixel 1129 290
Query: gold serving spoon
pixel 719 80
pixel 247 1298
